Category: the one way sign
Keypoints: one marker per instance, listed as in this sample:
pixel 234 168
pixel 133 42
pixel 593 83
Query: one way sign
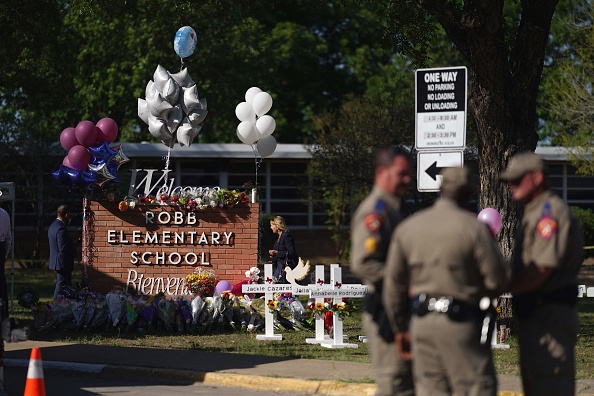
pixel 430 163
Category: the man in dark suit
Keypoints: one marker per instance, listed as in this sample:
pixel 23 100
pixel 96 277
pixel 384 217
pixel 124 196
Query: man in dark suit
pixel 61 250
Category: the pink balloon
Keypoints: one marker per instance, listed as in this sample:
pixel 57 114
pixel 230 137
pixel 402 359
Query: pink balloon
pixel 222 286
pixel 66 162
pixel 68 138
pixel 100 138
pixel 79 156
pixel 86 133
pixel 492 218
pixel 109 128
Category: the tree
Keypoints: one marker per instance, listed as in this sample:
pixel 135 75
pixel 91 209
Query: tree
pixel 346 143
pixel 571 101
pixel 505 52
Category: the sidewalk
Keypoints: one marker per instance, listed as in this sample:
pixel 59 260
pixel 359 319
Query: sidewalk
pixel 309 376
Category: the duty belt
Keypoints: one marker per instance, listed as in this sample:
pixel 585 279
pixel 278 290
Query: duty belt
pixel 457 310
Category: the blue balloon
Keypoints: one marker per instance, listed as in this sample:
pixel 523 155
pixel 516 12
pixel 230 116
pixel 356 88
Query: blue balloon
pixel 102 154
pixel 75 178
pixel 185 41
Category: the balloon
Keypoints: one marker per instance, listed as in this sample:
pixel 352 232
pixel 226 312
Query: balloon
pixel 185 42
pixel 245 112
pixel 158 106
pixel 183 78
pixel 161 76
pixel 190 99
pixel 250 93
pixel 102 154
pixel 158 128
pixel 222 286
pixel 265 126
pixel 492 218
pixel 66 163
pixel 108 128
pixel 79 157
pixel 171 91
pixel 266 146
pixel 247 133
pixel 143 110
pixel 68 138
pixel 262 103
pixel 75 177
pixel 186 133
pixel 120 157
pixel 86 134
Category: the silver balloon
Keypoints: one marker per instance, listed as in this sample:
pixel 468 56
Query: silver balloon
pixel 143 111
pixel 101 170
pixel 197 116
pixel 158 128
pixel 160 77
pixel 190 99
pixel 175 118
pixel 120 158
pixel 158 106
pixel 171 91
pixel 186 133
pixel 183 78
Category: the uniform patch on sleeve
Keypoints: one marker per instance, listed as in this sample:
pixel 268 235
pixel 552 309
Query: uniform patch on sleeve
pixel 373 222
pixel 546 227
pixel 371 244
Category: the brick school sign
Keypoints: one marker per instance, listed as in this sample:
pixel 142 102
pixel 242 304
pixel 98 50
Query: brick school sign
pixel 150 249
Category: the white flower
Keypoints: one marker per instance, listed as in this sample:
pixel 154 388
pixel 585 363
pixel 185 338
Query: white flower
pixel 213 204
pixel 132 204
pixel 250 327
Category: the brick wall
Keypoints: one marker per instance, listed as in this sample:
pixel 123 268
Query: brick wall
pixel 145 251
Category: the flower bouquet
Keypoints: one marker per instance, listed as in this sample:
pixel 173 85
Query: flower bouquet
pixel 201 283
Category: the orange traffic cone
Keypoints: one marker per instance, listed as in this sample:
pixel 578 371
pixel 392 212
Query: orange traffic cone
pixel 35 385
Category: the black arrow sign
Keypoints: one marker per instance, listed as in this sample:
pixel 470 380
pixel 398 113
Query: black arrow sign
pixel 434 170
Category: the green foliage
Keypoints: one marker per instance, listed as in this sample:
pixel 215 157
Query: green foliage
pixel 586 220
pixel 346 143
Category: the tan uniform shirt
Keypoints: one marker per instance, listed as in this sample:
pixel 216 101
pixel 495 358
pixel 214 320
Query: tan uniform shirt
pixel 371 230
pixel 550 236
pixel 442 251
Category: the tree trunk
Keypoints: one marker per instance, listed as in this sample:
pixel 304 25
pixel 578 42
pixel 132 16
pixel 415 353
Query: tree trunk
pixel 504 84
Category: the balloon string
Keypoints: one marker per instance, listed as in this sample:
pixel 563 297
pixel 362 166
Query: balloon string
pixel 182 64
pixel 167 163
pixel 256 162
pixel 85 236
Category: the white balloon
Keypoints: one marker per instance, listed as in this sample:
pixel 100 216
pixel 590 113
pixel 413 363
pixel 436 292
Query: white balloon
pixel 174 118
pixel 262 103
pixel 161 76
pixel 266 146
pixel 245 112
pixel 158 106
pixel 143 110
pixel 246 130
pixel 186 133
pixel 197 117
pixel 190 99
pixel 158 128
pixel 171 91
pixel 265 126
pixel 183 78
pixel 150 90
pixel 250 93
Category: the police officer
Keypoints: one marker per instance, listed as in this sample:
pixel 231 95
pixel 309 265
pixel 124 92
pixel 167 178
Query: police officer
pixel 443 268
pixel 547 257
pixel 371 229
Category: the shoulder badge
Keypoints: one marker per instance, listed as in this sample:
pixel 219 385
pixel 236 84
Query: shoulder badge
pixel 547 225
pixel 373 222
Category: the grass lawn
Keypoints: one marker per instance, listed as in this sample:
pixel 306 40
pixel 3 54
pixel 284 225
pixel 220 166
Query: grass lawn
pixel 293 343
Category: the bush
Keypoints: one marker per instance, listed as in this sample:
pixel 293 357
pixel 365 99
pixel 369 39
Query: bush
pixel 586 219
